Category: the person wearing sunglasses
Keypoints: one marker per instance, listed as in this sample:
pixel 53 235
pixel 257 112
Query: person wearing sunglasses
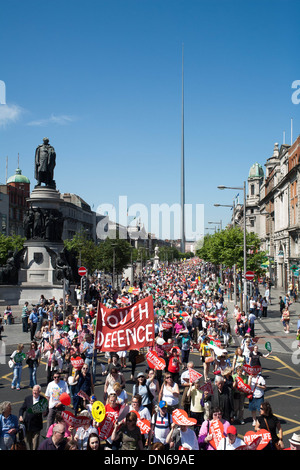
pixel 128 433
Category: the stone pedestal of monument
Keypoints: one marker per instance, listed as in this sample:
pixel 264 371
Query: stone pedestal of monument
pixel 156 262
pixel 38 273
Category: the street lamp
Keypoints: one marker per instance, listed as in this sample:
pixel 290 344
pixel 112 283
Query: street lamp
pixel 221 267
pixel 245 244
pixel 234 267
pixel 217 223
pixel 114 262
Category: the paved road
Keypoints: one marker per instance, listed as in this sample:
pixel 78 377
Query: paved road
pixel 281 369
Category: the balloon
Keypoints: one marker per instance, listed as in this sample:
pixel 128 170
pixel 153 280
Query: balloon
pixel 65 399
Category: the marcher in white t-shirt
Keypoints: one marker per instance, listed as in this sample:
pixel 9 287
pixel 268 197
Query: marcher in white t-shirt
pixel 231 442
pixel 53 393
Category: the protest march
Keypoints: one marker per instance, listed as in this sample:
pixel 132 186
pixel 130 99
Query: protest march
pixel 198 375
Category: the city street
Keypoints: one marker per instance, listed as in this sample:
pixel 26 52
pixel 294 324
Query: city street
pixel 281 369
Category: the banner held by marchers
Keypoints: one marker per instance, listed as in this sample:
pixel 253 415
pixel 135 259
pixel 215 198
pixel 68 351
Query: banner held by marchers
pixel 125 328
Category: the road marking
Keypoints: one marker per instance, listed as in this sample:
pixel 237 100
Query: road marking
pixel 287 366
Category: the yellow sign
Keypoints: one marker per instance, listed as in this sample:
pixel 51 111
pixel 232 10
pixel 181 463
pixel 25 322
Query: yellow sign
pixel 98 411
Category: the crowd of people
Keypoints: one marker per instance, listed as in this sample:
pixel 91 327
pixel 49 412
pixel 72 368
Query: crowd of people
pixel 202 380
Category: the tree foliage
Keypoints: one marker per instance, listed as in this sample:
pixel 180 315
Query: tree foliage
pixel 227 248
pixel 114 252
pixel 7 244
pixel 86 249
pixel 100 256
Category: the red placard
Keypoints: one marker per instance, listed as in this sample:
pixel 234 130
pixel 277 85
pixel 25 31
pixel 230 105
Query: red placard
pixel 154 361
pixel 250 436
pixel 77 362
pixel 74 421
pixel 194 375
pixel 217 430
pixel 181 418
pixel 252 370
pixel 242 386
pixel 207 387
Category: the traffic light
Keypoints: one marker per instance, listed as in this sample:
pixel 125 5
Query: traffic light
pixel 84 284
pixel 249 289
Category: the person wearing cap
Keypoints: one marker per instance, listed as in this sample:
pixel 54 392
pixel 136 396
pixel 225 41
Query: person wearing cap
pixel 231 441
pixel 160 425
pixel 295 442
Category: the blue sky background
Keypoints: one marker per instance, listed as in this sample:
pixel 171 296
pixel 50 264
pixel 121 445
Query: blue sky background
pixel 102 80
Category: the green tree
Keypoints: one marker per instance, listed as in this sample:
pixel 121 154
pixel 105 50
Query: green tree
pixel 227 248
pixel 117 250
pixel 88 253
pixel 169 253
pixel 12 243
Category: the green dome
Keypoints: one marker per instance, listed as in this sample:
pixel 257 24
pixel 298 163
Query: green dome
pixel 18 178
pixel 256 171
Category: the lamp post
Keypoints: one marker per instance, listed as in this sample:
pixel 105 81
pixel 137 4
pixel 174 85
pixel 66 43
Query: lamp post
pixel 221 267
pixel 234 266
pixel 217 223
pixel 114 262
pixel 245 243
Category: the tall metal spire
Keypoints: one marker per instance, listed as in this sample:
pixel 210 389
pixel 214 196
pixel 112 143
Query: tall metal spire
pixel 182 163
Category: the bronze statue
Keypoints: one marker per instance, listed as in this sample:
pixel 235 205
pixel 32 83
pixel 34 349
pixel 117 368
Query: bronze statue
pixel 9 272
pixel 45 160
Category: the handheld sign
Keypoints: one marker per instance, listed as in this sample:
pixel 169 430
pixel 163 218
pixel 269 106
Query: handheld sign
pixel 217 430
pixel 194 375
pixel 74 421
pixel 154 361
pixel 250 436
pixel 124 410
pixel 40 407
pixel 144 425
pixel 77 362
pixel 252 370
pixel 181 418
pixel 242 386
pixel 207 387
pixel 98 411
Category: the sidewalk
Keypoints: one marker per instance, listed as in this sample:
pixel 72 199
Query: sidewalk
pixel 271 328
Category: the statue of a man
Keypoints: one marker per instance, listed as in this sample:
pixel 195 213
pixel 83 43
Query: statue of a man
pixel 45 159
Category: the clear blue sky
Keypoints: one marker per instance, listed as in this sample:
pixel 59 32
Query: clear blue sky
pixel 102 80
